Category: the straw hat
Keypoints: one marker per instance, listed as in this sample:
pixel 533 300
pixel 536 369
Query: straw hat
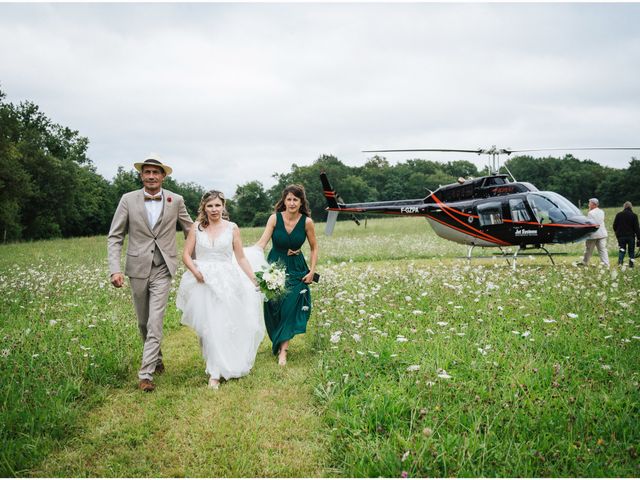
pixel 154 160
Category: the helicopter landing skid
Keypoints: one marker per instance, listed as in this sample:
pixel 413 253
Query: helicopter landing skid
pixel 512 261
pixel 541 247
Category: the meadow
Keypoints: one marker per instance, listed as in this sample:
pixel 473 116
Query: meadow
pixel 416 363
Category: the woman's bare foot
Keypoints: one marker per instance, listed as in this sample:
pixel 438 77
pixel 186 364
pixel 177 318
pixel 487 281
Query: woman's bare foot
pixel 282 357
pixel 214 383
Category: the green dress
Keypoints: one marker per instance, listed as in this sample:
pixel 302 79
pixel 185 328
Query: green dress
pixel 288 315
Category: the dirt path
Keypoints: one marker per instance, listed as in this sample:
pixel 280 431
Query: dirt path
pixel 263 425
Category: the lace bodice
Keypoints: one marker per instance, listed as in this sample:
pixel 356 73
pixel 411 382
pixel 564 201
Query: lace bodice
pixel 220 250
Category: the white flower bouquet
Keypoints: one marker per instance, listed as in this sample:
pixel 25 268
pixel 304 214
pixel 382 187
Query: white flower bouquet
pixel 272 281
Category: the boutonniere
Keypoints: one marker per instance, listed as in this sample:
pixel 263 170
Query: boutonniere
pixel 169 199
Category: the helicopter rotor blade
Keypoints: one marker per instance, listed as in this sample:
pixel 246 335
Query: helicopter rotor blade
pixel 569 149
pixel 478 151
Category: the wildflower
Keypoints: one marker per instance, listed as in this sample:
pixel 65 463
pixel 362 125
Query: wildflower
pixel 405 455
pixel 356 337
pixel 401 339
pixel 404 474
pixel 335 337
pixel 548 320
pixel 443 374
pixel 5 352
pixel 52 322
pixel 572 315
pixel 413 368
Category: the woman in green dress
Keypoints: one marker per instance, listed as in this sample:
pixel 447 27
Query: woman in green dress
pixel 288 228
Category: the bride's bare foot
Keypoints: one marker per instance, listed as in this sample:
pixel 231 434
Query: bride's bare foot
pixel 214 383
pixel 282 357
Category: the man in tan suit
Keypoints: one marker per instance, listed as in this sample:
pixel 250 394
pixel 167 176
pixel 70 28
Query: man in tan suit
pixel 149 216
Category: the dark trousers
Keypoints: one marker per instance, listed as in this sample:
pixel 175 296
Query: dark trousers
pixel 626 244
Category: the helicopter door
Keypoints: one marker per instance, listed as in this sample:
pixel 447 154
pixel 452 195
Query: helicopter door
pixel 519 212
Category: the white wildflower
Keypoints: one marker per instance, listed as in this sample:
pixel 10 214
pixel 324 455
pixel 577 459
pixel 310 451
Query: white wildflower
pixel 413 368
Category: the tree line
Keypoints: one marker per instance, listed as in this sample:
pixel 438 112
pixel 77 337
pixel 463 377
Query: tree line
pixel 50 188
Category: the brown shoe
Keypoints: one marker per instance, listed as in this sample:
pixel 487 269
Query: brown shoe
pixel 159 369
pixel 146 385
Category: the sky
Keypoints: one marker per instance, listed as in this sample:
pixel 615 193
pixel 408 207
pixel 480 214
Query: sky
pixel 231 93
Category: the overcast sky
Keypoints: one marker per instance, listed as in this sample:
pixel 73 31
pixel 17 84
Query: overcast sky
pixel 229 93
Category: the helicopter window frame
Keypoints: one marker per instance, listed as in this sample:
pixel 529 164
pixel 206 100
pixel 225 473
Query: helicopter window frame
pixel 490 214
pixel 519 212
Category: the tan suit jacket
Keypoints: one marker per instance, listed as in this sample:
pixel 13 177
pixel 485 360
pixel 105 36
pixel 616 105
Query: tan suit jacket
pixel 131 217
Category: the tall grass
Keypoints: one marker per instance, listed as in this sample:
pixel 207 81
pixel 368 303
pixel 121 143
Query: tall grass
pixel 560 399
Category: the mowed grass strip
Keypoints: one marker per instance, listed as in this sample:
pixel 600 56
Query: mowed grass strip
pixel 263 425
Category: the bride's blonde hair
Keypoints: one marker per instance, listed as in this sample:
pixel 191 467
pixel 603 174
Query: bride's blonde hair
pixel 202 218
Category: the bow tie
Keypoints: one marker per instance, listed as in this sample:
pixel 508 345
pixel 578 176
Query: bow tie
pixel 157 198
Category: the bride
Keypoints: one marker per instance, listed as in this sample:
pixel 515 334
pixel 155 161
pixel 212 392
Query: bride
pixel 218 297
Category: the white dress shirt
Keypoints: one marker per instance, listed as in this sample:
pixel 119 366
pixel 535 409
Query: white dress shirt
pixel 153 208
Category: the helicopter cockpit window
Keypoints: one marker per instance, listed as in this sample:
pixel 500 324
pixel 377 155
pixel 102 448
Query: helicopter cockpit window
pixel 519 211
pixel 490 213
pixel 550 207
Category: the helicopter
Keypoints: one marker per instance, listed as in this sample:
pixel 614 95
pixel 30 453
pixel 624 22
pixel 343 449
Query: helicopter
pixel 488 211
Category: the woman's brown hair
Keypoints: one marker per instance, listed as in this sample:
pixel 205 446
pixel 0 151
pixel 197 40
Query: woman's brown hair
pixel 298 191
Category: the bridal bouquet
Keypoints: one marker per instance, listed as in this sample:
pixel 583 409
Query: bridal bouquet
pixel 272 281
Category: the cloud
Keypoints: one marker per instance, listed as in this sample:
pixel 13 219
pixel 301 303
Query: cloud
pixel 230 93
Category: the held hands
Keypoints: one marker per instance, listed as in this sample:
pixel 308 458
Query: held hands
pixel 117 280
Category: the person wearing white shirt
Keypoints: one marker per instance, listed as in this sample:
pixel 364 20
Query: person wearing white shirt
pixel 597 239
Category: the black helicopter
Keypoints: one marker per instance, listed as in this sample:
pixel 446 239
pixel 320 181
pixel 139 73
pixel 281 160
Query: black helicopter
pixel 489 211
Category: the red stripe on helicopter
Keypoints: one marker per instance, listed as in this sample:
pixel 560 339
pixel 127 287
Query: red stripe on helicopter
pixel 471 234
pixel 481 234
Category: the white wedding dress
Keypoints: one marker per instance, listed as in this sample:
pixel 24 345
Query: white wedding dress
pixel 225 310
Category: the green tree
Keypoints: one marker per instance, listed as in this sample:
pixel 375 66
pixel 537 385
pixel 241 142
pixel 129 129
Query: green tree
pixel 250 200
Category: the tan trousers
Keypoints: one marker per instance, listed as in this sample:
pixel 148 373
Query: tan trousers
pixel 150 297
pixel 601 244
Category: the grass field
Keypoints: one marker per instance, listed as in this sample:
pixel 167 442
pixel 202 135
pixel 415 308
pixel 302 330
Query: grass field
pixel 416 363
